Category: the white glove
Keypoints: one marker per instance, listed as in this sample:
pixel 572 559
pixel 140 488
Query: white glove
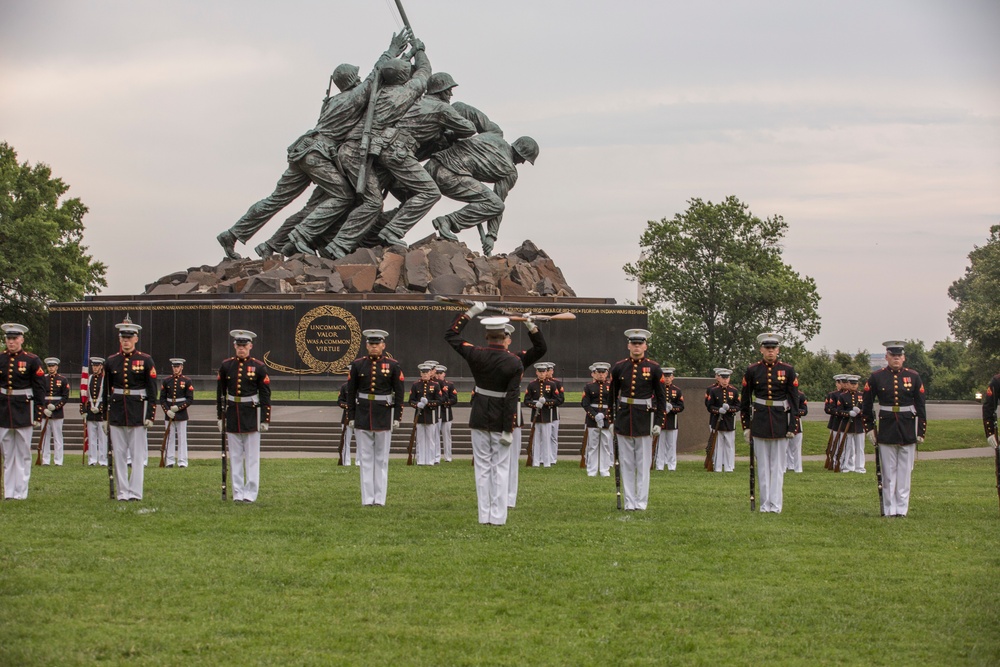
pixel 506 438
pixel 148 423
pixel 599 418
pixel 218 424
pixel 724 408
pixel 670 407
pixel 529 324
pixel 871 437
pixel 395 424
pixel 169 416
pixel 351 423
pixel 36 423
pixel 476 308
pixel 422 403
pixel 106 426
pixel 173 410
pixel 655 431
pixel 51 406
pixel 263 427
pixel 540 403
pixel 746 434
pixel 47 412
pixel 855 411
pixel 920 440
pixel 992 441
pixel 94 408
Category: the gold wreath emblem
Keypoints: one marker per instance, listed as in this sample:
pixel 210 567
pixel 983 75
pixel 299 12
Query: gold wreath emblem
pixel 317 366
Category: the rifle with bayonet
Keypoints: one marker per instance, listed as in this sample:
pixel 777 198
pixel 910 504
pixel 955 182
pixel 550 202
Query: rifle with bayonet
pixel 515 316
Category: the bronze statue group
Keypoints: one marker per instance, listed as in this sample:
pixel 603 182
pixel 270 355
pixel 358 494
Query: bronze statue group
pixel 630 412
pixel 395 131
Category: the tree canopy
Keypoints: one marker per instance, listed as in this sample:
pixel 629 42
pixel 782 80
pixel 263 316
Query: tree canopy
pixel 42 259
pixel 713 278
pixel 975 320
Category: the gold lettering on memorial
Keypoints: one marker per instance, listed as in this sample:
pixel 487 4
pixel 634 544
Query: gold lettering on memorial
pixel 327 339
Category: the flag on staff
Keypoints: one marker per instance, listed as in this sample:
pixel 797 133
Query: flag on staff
pixel 85 388
pixel 85 371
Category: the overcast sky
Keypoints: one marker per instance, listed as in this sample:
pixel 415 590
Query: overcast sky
pixel 872 126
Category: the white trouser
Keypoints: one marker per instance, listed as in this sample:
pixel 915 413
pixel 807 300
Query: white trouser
pixel 666 450
pixel 634 456
pixel 177 444
pixel 725 452
pixel 348 434
pixel 847 453
pixel 492 461
pixel 436 442
pixel 373 456
pixel 554 448
pixel 770 455
pixel 859 450
pixel 542 445
pixel 129 443
pixel 793 456
pixel 425 444
pixel 52 448
pixel 16 446
pixel 512 470
pixel 244 460
pixel 97 444
pixel 897 466
pixel 446 439
pixel 598 451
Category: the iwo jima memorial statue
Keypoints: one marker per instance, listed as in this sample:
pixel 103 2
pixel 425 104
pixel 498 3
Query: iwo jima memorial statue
pixel 340 264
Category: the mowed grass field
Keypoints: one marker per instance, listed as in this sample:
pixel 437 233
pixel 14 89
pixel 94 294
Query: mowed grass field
pixel 306 576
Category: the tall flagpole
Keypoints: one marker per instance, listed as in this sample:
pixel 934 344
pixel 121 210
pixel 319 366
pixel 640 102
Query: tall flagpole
pixel 85 389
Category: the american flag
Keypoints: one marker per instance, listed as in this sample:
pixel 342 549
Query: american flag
pixel 85 387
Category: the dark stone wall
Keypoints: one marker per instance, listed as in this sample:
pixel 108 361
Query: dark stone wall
pixel 310 339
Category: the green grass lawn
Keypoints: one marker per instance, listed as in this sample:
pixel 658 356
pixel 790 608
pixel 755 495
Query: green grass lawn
pixel 941 435
pixel 306 576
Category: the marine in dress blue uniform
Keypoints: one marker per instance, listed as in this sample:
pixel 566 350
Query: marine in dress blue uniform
pixel 176 396
pixel 598 417
pixel 666 446
pixel 21 383
pixel 96 437
pixel 639 394
pixel 541 396
pixel 242 389
pixel 446 415
pixel 896 426
pixel 497 373
pixel 722 401
pixel 129 405
pixel 770 393
pixel 56 397
pixel 375 394
pixel 425 397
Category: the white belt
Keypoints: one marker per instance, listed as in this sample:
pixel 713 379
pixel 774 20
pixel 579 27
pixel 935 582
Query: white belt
pixel 770 403
pixel 378 398
pixel 598 405
pixel 637 401
pixel 129 392
pixel 243 399
pixel 176 400
pixel 53 398
pixel 489 392
pixel 897 408
pixel 17 392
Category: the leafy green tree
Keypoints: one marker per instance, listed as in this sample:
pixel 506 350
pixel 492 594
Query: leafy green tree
pixel 713 279
pixel 975 320
pixel 41 256
pixel 953 374
pixel 816 369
